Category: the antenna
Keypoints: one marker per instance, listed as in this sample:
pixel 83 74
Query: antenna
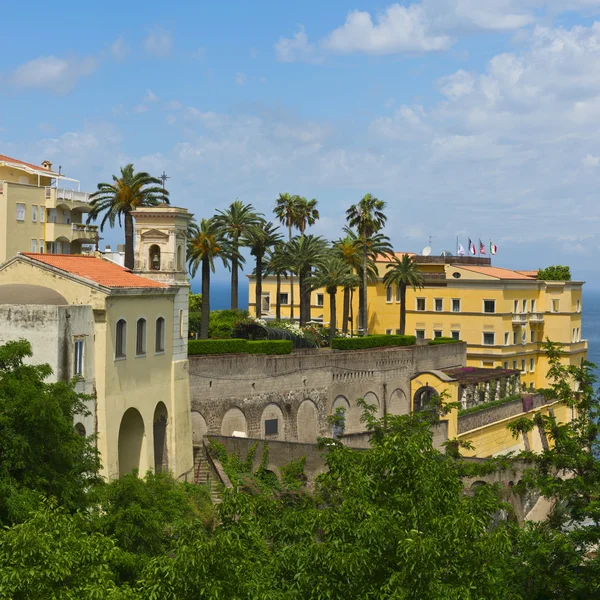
pixel 426 251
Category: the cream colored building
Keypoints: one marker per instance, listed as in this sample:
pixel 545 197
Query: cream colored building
pixel 39 212
pixel 123 335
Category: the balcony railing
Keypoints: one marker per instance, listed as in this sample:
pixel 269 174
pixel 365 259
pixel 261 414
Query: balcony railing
pixel 519 318
pixel 81 231
pixel 68 195
pixel 536 317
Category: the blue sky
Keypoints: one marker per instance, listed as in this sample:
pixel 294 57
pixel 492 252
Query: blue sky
pixel 470 118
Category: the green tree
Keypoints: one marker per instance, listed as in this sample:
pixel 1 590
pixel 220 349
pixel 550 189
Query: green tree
pixel 208 244
pixel 259 239
pixel 306 213
pixel 41 454
pixel 236 221
pixel 195 302
pixel 555 273
pixel 117 200
pixel 333 272
pixel 367 217
pixel 403 272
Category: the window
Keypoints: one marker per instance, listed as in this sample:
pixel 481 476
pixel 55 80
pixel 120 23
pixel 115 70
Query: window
pixel 555 305
pixel 140 338
pixel 20 212
pixel 514 365
pixel 78 357
pixel 533 306
pixel 455 335
pixel 420 334
pixel 121 339
pixel 42 246
pixel 455 305
pixel 489 339
pixel 159 342
pixel 574 338
pixel 420 303
pixel 265 305
pixel 154 257
pixel 515 338
pixel 437 333
pixel 524 306
pixel 320 299
pixel 578 309
pixel 181 322
pixel 506 364
pixel 284 298
pixel 532 364
pixel 439 305
pixel 34 245
pixel 532 336
pixel 42 214
pixel 522 365
pixel 179 258
pixel 489 306
pixel 271 426
pixel 388 332
pixel 397 332
pixel 397 293
pixel 506 338
pixel 516 306
pixel 578 335
pixel 34 213
pixel 389 293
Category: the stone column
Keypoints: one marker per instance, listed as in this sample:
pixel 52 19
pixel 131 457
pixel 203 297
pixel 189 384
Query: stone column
pixel 487 392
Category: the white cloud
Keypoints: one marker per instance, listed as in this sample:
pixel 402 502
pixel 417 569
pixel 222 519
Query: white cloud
pixel 140 108
pixel 151 97
pixel 158 43
pixel 457 85
pixel 57 74
pixel 296 49
pixel 119 48
pixel 589 160
pixel 240 78
pixel 397 29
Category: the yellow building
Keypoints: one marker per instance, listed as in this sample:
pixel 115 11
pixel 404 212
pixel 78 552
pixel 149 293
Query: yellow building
pixel 123 335
pixel 503 315
pixel 37 214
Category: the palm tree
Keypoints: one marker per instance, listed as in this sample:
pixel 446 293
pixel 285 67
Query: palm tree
pixel 118 199
pixel 208 243
pixel 286 210
pixel 367 217
pixel 259 239
pixel 333 272
pixel 349 251
pixel 306 213
pixel 235 221
pixel 279 265
pixel 403 272
pixel 306 252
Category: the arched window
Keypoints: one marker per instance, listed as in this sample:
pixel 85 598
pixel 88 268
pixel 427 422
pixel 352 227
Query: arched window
pixel 140 339
pixel 154 257
pixel 159 345
pixel 180 258
pixel 121 339
pixel 425 398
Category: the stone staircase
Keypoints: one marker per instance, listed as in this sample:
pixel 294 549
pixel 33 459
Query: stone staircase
pixel 204 474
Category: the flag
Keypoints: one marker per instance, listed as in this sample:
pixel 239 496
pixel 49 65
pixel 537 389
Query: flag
pixel 493 248
pixel 472 247
pixel 461 250
pixel 481 247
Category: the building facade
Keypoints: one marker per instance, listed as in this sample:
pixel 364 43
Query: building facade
pixel 37 215
pixel 502 314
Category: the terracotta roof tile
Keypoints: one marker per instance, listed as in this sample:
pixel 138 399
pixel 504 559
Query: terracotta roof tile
pixel 100 271
pixel 26 164
pixel 530 273
pixel 496 272
pixel 384 258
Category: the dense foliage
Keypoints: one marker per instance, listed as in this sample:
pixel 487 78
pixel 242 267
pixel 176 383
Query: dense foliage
pixel 442 340
pixel 555 273
pixel 373 341
pixel 237 346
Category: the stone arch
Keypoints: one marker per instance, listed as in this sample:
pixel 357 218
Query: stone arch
pixel 307 422
pixel 370 398
pixel 270 414
pixel 199 428
pixel 398 403
pixel 131 440
pixel 161 438
pixel 341 402
pixel 423 397
pixel 80 429
pixel 154 260
pixel 233 420
pixel 180 257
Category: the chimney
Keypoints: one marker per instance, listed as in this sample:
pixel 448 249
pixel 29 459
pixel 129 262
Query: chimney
pixel 47 165
pixel 107 248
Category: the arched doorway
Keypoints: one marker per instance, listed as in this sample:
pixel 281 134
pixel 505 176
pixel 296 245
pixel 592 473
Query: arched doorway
pixel 131 437
pixel 398 403
pixel 161 453
pixel 234 420
pixel 199 428
pixel 425 398
pixel 272 425
pixel 307 422
pixel 340 406
pixel 372 400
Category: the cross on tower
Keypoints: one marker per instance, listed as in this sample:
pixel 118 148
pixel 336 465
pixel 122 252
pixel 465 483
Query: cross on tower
pixel 164 178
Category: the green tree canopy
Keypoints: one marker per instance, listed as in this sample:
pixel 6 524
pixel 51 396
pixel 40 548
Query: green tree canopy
pixel 555 273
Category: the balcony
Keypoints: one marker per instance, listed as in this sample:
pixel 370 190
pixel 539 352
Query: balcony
pixel 536 318
pixel 71 232
pixel 519 319
pixel 71 198
pixel 84 233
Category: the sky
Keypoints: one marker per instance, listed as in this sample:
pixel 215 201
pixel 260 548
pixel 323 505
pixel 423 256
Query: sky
pixel 468 118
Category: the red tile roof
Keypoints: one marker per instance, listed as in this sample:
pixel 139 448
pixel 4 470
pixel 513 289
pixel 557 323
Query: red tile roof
pixel 26 164
pixel 496 272
pixel 101 271
pixel 386 258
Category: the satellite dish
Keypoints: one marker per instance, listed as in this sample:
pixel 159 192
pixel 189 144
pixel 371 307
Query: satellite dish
pixel 426 251
pixel 446 253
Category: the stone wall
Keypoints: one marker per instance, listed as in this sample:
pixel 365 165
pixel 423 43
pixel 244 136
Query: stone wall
pixel 248 393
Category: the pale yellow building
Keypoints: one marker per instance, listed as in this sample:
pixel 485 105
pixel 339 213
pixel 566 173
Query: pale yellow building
pixel 503 315
pixel 39 213
pixel 122 334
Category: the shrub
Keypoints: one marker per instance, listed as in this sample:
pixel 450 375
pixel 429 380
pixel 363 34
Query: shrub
pixel 555 273
pixel 372 341
pixel 236 346
pixel 442 340
pixel 194 319
pixel 221 322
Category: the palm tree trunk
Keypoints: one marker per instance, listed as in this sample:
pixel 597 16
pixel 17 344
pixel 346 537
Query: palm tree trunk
pixel 364 287
pixel 302 304
pixel 205 314
pixel 291 280
pixel 234 276
pixel 307 315
pixel 278 299
pixel 258 293
pixel 402 308
pixel 346 310
pixel 129 257
pixel 332 316
pixel 351 310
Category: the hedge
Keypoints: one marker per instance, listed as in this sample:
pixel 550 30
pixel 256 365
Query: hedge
pixel 372 341
pixel 442 340
pixel 236 346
